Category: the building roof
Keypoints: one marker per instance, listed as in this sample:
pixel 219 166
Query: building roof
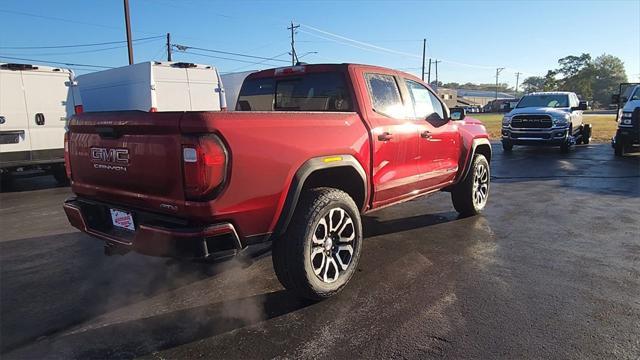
pixel 483 93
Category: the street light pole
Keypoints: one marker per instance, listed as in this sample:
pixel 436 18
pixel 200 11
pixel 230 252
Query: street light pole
pixel 127 22
pixel 498 71
pixel 424 50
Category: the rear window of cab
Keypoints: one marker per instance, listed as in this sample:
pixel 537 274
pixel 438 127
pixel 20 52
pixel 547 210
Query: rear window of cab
pixel 309 92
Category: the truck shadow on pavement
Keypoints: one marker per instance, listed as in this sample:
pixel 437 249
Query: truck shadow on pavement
pixel 143 336
pixel 82 285
pixel 30 183
pixel 51 284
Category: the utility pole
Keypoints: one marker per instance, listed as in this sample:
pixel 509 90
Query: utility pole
pixel 517 80
pixel 436 62
pixel 429 76
pixel 169 47
pixel 127 22
pixel 294 57
pixel 424 50
pixel 498 71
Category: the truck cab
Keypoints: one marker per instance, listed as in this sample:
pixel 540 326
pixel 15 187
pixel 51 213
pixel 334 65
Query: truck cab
pixel 546 118
pixel 627 103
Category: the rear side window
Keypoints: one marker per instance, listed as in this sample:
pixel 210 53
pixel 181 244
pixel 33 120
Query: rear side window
pixel 310 92
pixel 385 95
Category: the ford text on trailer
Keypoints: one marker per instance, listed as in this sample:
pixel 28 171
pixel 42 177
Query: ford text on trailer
pixel 35 103
pixel 316 147
pixel 153 86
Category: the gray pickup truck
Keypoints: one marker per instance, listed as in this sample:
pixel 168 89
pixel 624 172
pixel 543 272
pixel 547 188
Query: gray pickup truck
pixel 546 118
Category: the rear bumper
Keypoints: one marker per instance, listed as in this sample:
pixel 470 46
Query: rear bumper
pixel 550 136
pixel 154 235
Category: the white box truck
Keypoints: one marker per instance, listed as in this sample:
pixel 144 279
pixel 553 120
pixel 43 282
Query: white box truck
pixel 153 86
pixel 35 103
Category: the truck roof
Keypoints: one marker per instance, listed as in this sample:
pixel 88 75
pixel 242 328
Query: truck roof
pixel 33 67
pixel 310 68
pixel 551 93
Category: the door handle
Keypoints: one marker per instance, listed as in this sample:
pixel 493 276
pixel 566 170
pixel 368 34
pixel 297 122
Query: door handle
pixel 385 136
pixel 425 134
pixel 39 119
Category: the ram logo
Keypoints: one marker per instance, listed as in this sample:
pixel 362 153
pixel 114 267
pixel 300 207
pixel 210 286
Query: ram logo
pixel 110 159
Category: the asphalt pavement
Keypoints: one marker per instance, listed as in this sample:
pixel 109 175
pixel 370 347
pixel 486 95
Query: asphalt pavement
pixel 550 270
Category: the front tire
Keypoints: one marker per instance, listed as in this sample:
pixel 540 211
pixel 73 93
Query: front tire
pixel 60 174
pixel 507 146
pixel 319 252
pixel 470 196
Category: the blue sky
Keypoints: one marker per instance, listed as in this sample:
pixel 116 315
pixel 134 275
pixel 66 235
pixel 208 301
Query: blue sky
pixel 471 38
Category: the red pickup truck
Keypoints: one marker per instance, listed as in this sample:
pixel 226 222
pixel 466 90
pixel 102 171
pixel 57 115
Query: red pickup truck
pixel 308 150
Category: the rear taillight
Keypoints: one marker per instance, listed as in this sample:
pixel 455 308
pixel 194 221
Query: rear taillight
pixel 67 160
pixel 204 163
pixel 78 109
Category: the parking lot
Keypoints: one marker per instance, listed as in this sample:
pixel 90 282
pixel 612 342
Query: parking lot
pixel 551 270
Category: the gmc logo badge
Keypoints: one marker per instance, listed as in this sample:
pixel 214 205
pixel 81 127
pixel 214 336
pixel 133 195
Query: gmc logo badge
pixel 111 159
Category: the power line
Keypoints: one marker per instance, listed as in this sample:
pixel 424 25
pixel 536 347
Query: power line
pixel 55 62
pixel 69 21
pixel 230 59
pixel 73 46
pixel 360 42
pixel 78 52
pixel 184 48
pixel 260 62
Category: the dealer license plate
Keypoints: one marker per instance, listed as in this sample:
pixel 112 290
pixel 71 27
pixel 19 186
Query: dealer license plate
pixel 122 219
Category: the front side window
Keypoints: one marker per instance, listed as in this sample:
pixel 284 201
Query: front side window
pixel 309 92
pixel 425 103
pixel 385 95
pixel 545 100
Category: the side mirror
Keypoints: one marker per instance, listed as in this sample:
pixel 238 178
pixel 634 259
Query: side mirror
pixel 583 105
pixel 457 113
pixel 615 99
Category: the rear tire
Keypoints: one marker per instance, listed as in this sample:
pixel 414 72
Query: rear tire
pixel 60 174
pixel 319 252
pixel 470 196
pixel 586 134
pixel 6 181
pixel 619 148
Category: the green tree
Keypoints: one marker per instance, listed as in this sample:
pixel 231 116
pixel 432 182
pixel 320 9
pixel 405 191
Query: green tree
pixel 608 72
pixel 572 65
pixel 533 83
pixel 550 81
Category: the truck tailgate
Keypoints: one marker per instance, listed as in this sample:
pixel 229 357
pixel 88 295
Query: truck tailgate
pixel 129 157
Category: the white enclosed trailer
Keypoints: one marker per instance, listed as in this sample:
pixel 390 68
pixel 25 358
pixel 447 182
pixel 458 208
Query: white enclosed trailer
pixel 35 104
pixel 153 86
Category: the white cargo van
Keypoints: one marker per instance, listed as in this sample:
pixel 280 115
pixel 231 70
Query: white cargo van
pixel 153 86
pixel 232 85
pixel 35 103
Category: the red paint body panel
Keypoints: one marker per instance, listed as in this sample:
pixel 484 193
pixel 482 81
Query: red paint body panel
pixel 265 149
